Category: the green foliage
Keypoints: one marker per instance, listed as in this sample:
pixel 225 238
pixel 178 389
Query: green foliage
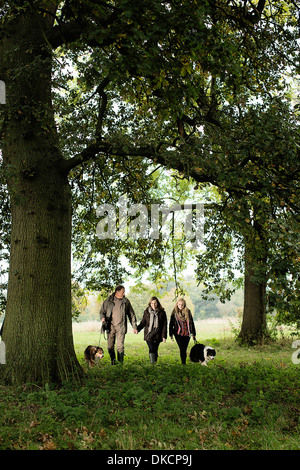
pixel 201 87
pixel 264 219
pixel 79 301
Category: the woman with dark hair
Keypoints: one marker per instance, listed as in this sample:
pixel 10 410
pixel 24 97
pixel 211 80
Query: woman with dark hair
pixel 182 327
pixel 155 323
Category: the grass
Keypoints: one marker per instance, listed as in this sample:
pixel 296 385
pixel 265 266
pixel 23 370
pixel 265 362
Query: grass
pixel 248 398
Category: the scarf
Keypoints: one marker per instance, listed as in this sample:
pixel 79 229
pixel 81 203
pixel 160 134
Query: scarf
pixel 181 315
pixel 153 324
pixel 182 320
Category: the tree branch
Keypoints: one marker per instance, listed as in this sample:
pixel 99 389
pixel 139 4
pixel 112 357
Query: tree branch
pixel 102 106
pixel 91 152
pixel 66 33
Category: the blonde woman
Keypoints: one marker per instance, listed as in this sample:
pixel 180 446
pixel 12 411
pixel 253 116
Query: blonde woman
pixel 182 327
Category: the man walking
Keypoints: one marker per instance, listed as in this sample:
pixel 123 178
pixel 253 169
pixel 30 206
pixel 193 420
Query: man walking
pixel 114 312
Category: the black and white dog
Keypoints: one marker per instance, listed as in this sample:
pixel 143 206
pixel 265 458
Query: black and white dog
pixel 201 353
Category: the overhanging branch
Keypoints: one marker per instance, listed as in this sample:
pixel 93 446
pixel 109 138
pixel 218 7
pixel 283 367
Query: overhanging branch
pixel 91 152
pixel 66 33
pixel 169 159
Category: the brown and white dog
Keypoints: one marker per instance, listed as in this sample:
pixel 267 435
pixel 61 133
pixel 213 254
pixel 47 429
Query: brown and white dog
pixel 93 354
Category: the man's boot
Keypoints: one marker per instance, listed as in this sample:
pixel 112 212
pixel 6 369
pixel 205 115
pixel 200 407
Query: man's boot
pixel 120 357
pixel 112 356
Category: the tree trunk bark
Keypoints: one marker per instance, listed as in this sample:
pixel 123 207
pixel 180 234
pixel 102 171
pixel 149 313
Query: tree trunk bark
pixel 254 325
pixel 38 322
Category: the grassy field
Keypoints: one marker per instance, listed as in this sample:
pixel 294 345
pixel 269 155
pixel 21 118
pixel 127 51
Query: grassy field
pixel 214 332
pixel 247 399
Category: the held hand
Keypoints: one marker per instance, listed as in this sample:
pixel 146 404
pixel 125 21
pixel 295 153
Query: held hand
pixel 164 340
pixel 135 332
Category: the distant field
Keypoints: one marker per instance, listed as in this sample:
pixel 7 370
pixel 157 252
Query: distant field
pixel 217 327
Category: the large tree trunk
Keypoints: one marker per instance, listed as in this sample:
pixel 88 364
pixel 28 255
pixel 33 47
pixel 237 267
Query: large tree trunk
pixel 254 325
pixel 38 322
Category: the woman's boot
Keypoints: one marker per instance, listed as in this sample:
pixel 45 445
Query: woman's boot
pixel 152 358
